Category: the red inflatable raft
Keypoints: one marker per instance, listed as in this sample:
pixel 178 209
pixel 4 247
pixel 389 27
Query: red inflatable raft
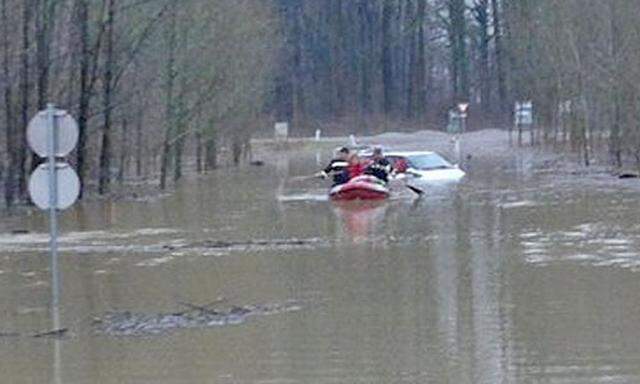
pixel 360 188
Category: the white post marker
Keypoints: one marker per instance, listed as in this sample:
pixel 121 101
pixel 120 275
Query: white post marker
pixel 456 147
pixel 53 185
pixel 462 108
pixel 281 131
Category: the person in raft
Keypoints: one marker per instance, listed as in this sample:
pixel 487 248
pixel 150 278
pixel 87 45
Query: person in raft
pixel 337 167
pixel 356 167
pixel 379 167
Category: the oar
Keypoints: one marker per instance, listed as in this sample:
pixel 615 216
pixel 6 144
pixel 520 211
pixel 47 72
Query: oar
pixel 416 190
pixel 302 178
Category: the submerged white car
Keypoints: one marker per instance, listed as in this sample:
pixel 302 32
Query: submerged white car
pixel 424 165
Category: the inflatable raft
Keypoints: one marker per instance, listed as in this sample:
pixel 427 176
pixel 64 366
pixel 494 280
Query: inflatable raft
pixel 360 188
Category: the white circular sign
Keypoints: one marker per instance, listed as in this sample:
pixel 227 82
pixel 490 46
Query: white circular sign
pixel 68 186
pixel 66 137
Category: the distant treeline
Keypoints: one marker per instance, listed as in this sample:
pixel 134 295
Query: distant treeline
pixel 373 61
pixel 388 64
pixel 157 84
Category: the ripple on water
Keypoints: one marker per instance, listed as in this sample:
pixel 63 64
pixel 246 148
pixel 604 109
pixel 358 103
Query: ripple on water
pixel 155 261
pixel 85 241
pixel 535 251
pixel 518 204
pixel 596 244
pixel 302 197
pixel 530 235
pixel 144 324
pixel 581 257
pixel 616 242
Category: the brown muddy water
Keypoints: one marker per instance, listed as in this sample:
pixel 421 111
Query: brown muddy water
pixel 515 275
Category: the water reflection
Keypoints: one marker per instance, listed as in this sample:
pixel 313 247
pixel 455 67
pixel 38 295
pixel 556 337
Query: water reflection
pixel 57 361
pixel 360 221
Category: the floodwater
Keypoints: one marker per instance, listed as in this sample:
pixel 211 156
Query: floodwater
pixel 512 276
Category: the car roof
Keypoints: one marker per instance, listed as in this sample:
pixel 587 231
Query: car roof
pixel 357 148
pixel 408 153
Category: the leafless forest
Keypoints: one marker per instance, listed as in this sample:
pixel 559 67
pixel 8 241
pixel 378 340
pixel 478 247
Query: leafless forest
pixel 157 84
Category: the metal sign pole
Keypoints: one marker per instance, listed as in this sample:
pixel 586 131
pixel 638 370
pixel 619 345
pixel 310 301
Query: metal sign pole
pixel 53 185
pixel 53 219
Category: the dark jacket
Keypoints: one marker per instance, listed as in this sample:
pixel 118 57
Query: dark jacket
pixel 380 168
pixel 337 168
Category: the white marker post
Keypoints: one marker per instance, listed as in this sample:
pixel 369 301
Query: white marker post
pixel 281 131
pixel 462 109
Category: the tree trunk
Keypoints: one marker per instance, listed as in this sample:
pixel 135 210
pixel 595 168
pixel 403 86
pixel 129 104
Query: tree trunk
pixel 338 56
pixel 139 142
pixel 236 149
pixel 9 180
pixel 499 53
pixel 387 58
pixel 616 127
pixel 459 59
pixel 411 74
pixel 211 148
pixel 105 151
pixel 44 28
pixel 482 17
pixel 20 143
pixel 198 145
pixel 124 152
pixel 170 76
pixel 421 67
pixel 179 148
pixel 283 81
pixel 364 60
pixel 82 15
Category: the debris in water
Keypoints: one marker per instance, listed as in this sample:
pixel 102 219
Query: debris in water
pixel 140 324
pixel 245 244
pixel 56 333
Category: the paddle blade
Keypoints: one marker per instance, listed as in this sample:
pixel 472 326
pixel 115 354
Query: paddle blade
pixel 416 190
pixel 303 178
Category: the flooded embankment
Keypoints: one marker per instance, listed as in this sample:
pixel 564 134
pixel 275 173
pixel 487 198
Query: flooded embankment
pixel 526 271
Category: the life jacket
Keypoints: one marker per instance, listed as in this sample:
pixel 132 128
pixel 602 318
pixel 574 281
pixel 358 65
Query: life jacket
pixel 357 169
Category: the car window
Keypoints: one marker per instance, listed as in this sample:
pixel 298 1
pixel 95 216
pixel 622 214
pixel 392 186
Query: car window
pixel 428 161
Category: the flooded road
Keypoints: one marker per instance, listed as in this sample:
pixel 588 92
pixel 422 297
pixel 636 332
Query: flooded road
pixel 512 276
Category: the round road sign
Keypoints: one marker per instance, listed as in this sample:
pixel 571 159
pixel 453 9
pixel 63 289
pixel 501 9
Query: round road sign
pixel 68 186
pixel 66 137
